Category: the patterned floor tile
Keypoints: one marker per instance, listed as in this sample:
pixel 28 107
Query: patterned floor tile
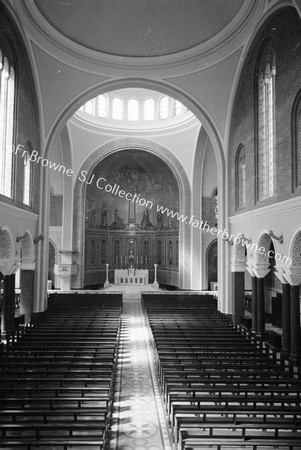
pixel 139 422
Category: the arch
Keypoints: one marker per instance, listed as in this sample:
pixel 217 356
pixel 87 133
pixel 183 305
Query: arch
pixel 52 259
pixel 94 159
pixel 264 240
pixel 294 248
pixel 27 245
pixel 211 263
pixel 6 244
pixel 184 97
pixel 296 142
pixel 212 133
pixel 239 251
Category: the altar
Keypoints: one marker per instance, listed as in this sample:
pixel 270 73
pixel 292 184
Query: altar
pixel 131 276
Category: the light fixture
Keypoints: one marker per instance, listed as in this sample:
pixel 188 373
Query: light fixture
pixel 37 239
pixel 277 238
pixel 19 238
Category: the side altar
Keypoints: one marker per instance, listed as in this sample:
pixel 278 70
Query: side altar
pixel 131 276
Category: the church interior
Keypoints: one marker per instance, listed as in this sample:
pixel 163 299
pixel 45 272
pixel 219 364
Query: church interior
pixel 150 224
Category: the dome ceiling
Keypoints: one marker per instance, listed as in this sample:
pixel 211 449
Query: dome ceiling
pixel 142 28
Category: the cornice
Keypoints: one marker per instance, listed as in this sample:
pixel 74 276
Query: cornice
pixel 13 211
pixel 106 126
pixel 270 210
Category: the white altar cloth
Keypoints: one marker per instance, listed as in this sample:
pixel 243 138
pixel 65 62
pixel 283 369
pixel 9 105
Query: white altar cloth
pixel 131 276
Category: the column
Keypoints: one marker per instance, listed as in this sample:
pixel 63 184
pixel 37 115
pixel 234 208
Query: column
pixel 260 270
pixel 295 350
pixel 254 304
pixel 27 293
pixel 238 268
pixel 239 295
pixel 281 274
pixel 260 308
pixel 8 306
pixel 286 320
pixel 292 275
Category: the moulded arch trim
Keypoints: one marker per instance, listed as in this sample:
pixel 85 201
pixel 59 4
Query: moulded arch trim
pixel 260 243
pixel 53 244
pixel 239 252
pixel 67 155
pixel 294 130
pixel 116 145
pixel 208 248
pixel 292 241
pixel 212 132
pixel 12 240
pixel 30 238
pixel 161 87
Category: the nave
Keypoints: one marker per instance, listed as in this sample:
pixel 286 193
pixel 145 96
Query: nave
pixel 166 372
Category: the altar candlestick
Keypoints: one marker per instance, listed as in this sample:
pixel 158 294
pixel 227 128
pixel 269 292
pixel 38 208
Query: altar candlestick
pixel 107 284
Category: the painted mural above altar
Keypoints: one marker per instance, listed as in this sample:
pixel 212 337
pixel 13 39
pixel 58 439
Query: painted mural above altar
pixel 126 189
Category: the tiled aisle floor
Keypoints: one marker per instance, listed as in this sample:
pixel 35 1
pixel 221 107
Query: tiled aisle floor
pixel 138 416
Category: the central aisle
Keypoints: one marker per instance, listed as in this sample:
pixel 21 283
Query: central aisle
pixel 138 415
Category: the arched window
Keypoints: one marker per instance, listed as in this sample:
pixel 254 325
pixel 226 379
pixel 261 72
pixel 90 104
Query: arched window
pixel 240 177
pixel 102 106
pixel 7 103
pixel 117 108
pixel 133 109
pixel 27 177
pixel 163 107
pixel 149 109
pixel 297 141
pixel 177 108
pixel 90 107
pixel 266 125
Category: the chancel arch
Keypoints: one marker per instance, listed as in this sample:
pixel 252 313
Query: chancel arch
pixel 211 259
pixel 125 198
pixel 186 276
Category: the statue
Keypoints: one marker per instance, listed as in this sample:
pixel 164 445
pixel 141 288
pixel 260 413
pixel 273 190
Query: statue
pixel 160 220
pixel 118 222
pixel 145 218
pixel 104 216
